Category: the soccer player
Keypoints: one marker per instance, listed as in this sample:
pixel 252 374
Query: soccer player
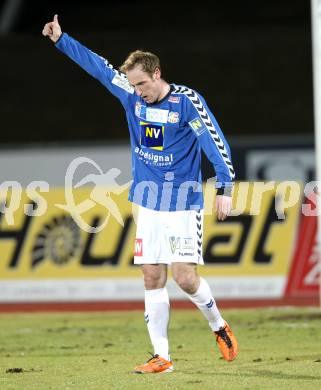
pixel 169 125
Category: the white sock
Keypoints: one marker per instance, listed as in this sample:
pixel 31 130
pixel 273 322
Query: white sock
pixel 157 318
pixel 204 300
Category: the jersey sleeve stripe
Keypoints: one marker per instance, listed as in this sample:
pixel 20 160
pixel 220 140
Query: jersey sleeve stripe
pixel 195 100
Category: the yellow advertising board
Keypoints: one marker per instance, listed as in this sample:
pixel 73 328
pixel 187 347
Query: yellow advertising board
pixel 41 238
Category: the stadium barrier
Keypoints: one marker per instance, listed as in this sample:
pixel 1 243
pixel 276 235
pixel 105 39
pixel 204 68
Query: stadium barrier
pixel 262 252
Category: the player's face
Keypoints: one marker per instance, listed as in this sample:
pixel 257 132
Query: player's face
pixel 149 88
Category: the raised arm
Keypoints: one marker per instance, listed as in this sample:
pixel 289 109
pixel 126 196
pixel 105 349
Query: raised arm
pixel 92 63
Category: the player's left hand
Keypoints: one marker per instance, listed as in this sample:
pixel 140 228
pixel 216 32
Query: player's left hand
pixel 223 206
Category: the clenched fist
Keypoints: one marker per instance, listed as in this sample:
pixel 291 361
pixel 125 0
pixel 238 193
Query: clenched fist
pixel 52 29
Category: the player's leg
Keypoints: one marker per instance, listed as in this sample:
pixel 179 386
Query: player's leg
pixel 157 307
pixel 156 318
pixel 185 236
pixel 156 296
pixel 187 226
pixel 199 292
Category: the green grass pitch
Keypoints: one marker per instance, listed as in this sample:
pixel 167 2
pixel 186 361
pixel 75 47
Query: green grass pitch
pixel 280 348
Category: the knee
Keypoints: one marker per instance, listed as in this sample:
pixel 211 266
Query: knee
pixel 188 282
pixel 153 280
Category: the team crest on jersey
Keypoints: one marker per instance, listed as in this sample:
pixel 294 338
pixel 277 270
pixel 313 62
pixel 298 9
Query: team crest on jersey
pixel 140 110
pixel 138 107
pixel 197 125
pixel 173 117
pixel 174 99
pixel 152 135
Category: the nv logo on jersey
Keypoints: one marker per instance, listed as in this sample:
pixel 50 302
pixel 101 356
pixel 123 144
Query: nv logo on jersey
pixel 197 125
pixel 152 135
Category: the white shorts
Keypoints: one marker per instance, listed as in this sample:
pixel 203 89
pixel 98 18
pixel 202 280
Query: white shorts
pixel 163 237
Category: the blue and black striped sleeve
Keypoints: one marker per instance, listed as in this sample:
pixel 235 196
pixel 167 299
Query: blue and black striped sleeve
pixel 97 67
pixel 212 141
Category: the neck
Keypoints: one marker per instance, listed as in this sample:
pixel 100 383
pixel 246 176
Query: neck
pixel 164 91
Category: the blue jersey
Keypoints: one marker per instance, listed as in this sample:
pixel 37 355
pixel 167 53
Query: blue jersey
pixel 166 137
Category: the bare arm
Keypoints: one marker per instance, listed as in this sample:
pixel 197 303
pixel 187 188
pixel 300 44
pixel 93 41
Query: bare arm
pixel 52 30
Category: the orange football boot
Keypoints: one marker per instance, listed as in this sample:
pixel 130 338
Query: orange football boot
pixel 154 365
pixel 226 342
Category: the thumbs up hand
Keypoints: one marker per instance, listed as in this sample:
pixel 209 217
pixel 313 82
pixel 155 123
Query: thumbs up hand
pixel 52 29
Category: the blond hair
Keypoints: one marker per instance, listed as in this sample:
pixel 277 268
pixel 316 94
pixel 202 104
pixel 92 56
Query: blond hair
pixel 147 60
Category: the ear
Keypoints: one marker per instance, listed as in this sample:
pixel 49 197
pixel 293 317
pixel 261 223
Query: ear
pixel 157 74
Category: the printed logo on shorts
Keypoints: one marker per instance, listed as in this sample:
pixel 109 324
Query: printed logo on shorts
pixel 187 243
pixel 197 125
pixel 182 243
pixel 187 247
pixel 138 247
pixel 175 243
pixel 152 135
